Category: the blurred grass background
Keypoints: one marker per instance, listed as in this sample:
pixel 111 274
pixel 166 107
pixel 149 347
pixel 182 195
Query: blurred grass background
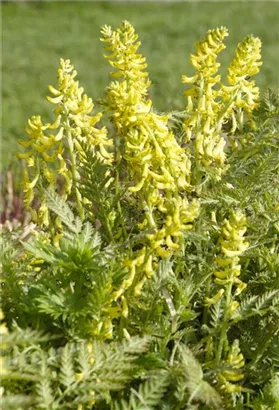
pixel 37 34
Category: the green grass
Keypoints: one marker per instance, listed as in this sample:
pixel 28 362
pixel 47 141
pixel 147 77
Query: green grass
pixel 36 35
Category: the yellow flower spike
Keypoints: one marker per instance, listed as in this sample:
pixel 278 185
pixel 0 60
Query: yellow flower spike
pixel 156 164
pixel 209 108
pixel 208 49
pixel 246 61
pixel 232 245
pixel 73 120
pixel 242 93
pixel 229 377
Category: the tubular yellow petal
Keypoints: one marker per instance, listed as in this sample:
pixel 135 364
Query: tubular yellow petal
pixel 138 187
pixel 231 253
pixel 54 91
pixel 163 252
pixel 139 286
pixel 56 123
pixel 222 274
pixel 188 80
pixel 215 298
pixel 233 376
pixel 149 267
pixel 55 100
pixel 59 135
pixel 171 244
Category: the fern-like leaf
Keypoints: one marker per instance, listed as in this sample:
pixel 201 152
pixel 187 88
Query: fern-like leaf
pixel 63 210
pixel 149 394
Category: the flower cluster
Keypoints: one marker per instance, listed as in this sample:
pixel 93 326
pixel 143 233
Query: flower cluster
pixel 233 245
pixel 159 167
pixel 242 95
pixel 212 104
pixel 204 103
pixel 76 107
pixel 46 157
pixel 44 164
pixel 234 363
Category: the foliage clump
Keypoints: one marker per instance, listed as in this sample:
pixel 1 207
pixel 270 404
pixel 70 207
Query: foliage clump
pixel 149 277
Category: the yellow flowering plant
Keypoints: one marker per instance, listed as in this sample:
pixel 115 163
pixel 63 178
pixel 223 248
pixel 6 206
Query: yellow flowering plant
pixel 149 275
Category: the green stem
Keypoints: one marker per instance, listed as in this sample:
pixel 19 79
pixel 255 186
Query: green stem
pixel 106 221
pixel 74 170
pixel 225 320
pixel 208 280
pixel 119 208
pixel 207 293
pixel 121 327
pixel 198 174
